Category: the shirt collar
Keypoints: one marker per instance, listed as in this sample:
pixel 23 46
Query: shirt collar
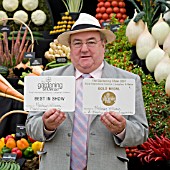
pixel 95 74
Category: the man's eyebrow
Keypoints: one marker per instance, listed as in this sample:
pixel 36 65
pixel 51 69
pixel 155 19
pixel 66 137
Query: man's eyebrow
pixel 91 38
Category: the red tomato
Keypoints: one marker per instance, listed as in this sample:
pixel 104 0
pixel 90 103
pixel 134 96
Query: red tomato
pixel 101 21
pixel 98 16
pixel 105 16
pixel 100 4
pixel 121 4
pixel 124 16
pixel 107 4
pixel 121 20
pixel 118 15
pixel 114 3
pixel 111 15
pixel 116 10
pixel 97 10
pixel 122 10
pixel 102 9
pixel 109 10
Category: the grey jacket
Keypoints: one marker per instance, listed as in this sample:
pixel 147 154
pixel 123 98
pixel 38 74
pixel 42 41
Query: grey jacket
pixel 105 151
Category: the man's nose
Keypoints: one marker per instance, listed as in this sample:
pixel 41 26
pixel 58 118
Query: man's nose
pixel 84 47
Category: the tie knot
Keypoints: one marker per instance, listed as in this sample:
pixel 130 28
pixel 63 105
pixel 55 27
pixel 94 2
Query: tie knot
pixel 86 76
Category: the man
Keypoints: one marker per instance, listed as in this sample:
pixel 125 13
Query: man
pixel 107 134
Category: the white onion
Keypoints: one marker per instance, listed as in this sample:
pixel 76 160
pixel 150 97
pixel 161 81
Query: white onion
pixel 167 85
pixel 145 43
pixel 162 69
pixel 134 29
pixel 153 58
pixel 160 30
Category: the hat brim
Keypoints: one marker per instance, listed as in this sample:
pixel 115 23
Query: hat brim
pixel 64 37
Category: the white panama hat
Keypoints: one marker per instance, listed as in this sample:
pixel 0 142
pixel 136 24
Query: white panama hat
pixel 84 23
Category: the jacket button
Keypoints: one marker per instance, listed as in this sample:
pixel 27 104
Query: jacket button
pixel 91 153
pixel 67 154
pixel 69 134
pixel 92 133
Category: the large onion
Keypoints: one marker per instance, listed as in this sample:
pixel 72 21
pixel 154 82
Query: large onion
pixel 134 29
pixel 153 58
pixel 162 69
pixel 160 30
pixel 166 44
pixel 145 43
pixel 167 85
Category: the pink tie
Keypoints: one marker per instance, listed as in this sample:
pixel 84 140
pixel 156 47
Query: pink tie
pixel 79 138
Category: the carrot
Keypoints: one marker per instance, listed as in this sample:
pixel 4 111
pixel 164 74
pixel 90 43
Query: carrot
pixel 17 42
pixel 23 39
pixel 7 90
pixel 12 45
pixel 1 52
pixel 21 56
pixel 2 79
pixel 29 48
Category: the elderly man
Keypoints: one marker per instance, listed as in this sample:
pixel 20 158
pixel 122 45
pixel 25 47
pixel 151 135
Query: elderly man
pixel 77 141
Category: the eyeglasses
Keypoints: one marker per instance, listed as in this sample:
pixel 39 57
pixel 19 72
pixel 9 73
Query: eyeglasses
pixel 89 43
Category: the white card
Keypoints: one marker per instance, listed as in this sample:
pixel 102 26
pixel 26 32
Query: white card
pixel 44 92
pixel 103 95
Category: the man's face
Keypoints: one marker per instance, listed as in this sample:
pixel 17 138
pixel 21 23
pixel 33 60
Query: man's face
pixel 87 51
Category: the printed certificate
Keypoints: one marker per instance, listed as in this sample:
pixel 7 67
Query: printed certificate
pixel 103 95
pixel 45 92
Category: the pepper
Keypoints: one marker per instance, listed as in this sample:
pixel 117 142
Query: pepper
pixel 22 144
pixel 17 151
pixel 2 144
pixel 11 143
pixel 5 150
pixel 28 152
pixel 36 146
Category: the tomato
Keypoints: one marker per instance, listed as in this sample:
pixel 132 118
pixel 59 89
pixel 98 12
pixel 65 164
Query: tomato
pixel 111 15
pixel 114 3
pixel 109 10
pixel 122 10
pixel 116 10
pixel 100 4
pixel 102 9
pixel 98 16
pixel 118 15
pixel 129 155
pixel 97 10
pixel 121 20
pixel 101 21
pixel 121 4
pixel 105 16
pixel 107 4
pixel 124 16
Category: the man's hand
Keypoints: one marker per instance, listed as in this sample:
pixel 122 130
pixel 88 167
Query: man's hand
pixel 115 122
pixel 53 118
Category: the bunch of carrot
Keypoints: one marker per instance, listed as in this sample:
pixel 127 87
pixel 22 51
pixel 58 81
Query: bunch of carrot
pixel 13 56
pixel 6 90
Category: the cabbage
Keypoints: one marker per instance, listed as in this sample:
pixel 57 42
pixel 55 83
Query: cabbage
pixel 10 5
pixel 30 5
pixel 21 15
pixel 38 17
pixel 3 15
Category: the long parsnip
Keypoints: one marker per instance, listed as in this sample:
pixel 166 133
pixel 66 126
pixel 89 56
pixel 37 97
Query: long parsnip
pixel 9 96
pixel 7 90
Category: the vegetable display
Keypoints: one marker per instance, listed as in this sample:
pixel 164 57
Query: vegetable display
pixel 23 10
pixel 105 10
pixel 22 148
